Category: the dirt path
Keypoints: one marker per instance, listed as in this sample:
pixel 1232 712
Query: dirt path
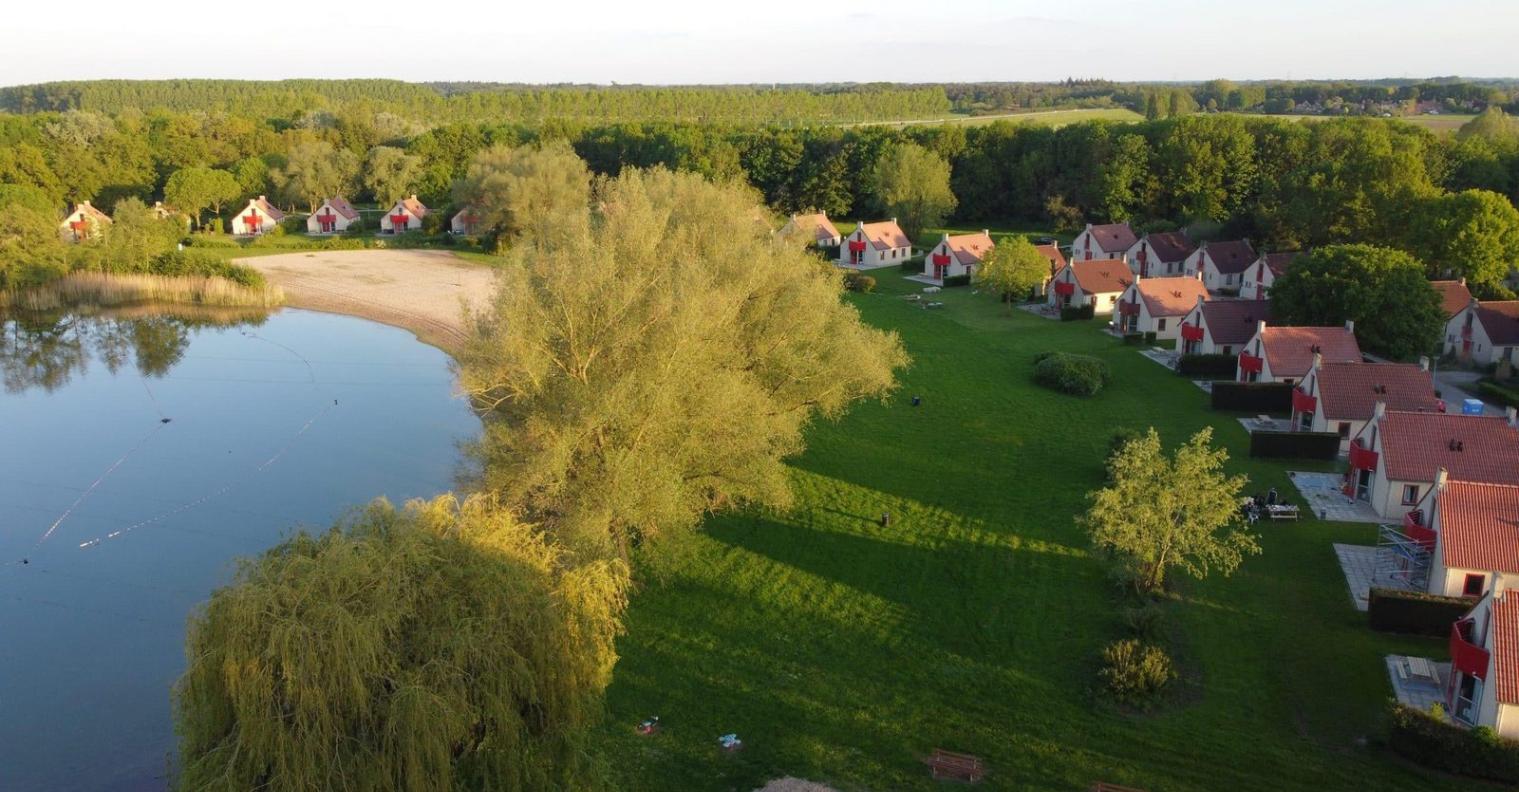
pixel 423 291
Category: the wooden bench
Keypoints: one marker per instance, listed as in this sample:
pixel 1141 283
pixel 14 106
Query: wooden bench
pixel 1101 787
pixel 956 766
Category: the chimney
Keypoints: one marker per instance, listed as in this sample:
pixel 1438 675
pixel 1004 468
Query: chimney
pixel 1441 476
pixel 84 203
pixel 261 197
pixel 1350 326
pixel 893 220
pixel 1260 325
pixel 1424 362
pixel 1463 280
pixel 946 237
pixel 413 196
pixel 1379 411
pixel 1512 414
pixel 1318 360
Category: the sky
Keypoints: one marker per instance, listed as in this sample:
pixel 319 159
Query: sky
pixel 684 41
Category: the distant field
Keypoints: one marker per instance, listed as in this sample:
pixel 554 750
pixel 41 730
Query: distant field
pixel 1043 117
pixel 1434 123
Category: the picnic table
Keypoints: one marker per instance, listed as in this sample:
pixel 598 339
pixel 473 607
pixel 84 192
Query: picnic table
pixel 1282 511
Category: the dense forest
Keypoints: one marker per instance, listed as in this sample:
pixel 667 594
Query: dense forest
pixel 1283 184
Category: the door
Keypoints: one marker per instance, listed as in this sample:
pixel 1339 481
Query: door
pixel 1363 485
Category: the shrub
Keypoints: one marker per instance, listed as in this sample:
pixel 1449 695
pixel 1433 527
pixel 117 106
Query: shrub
pixel 1078 375
pixel 828 252
pixel 1221 366
pixel 912 264
pixel 1133 339
pixel 1149 337
pixel 859 282
pixel 1121 438
pixel 1146 622
pixel 957 280
pixel 1444 746
pixel 1072 313
pixel 1415 612
pixel 1134 672
pixel 1494 392
pixel 210 241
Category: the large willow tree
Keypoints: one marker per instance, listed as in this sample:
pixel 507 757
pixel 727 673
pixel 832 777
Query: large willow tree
pixel 660 360
pixel 442 646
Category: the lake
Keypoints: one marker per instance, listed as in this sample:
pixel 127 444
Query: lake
pixel 140 456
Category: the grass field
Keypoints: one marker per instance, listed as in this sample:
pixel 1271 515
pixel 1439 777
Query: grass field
pixel 1041 117
pixel 1440 124
pixel 843 652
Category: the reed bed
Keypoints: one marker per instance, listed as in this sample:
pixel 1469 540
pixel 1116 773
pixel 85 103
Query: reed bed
pixel 103 290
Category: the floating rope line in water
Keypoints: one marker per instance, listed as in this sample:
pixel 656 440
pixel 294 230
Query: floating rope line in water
pixel 311 372
pixel 154 399
pixel 94 484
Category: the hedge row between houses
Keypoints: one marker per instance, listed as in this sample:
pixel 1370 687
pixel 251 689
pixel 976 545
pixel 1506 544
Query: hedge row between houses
pixel 1295 445
pixel 1075 313
pixel 1255 397
pixel 1476 752
pixel 1207 366
pixel 1414 612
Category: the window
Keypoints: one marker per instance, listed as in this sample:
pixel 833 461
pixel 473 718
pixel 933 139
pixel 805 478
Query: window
pixel 1410 494
pixel 1160 325
pixel 1473 585
pixel 1344 429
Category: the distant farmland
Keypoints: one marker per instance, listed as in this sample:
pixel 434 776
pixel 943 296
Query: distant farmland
pixel 1439 124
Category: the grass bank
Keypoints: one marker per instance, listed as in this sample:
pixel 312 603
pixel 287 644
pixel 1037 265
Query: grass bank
pixel 94 289
pixel 843 651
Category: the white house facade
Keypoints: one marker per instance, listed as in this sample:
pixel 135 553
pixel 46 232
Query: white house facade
pixel 405 215
pixel 257 218
pixel 873 245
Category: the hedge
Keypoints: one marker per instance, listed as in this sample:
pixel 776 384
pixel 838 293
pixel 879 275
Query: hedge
pixel 912 264
pixel 859 282
pixel 1078 375
pixel 1497 393
pixel 1149 337
pixel 1477 752
pixel 1073 313
pixel 1255 397
pixel 1414 612
pixel 1295 445
pixel 1133 339
pixel 1208 366
pixel 957 280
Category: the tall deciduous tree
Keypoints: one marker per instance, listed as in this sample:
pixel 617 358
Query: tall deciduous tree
pixel 315 171
pixel 661 361
pixel 193 190
pixel 390 173
pixel 912 183
pixel 1472 234
pixel 1161 512
pixel 541 191
pixel 1013 269
pixel 442 646
pixel 1384 291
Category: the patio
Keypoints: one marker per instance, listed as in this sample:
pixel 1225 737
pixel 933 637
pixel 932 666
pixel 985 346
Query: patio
pixel 1418 682
pixel 1264 423
pixel 1043 310
pixel 1328 501
pixel 1164 357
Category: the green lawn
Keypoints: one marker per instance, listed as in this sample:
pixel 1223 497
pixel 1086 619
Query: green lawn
pixel 1052 118
pixel 842 651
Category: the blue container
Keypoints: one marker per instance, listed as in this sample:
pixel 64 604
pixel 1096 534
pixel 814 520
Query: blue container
pixel 1471 407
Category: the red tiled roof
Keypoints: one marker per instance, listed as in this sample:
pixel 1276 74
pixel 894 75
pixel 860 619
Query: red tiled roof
pixel 1501 321
pixel 1230 258
pixel 970 248
pixel 1505 627
pixel 1350 391
pixel 267 208
pixel 885 235
pixel 412 205
pixel 1233 322
pixel 1469 447
pixel 1114 237
pixel 1052 252
pixel 1170 246
pixel 85 209
pixel 1171 296
pixel 818 223
pixel 1278 262
pixel 1102 276
pixel 1453 296
pixel 1479 526
pixel 1289 350
pixel 340 205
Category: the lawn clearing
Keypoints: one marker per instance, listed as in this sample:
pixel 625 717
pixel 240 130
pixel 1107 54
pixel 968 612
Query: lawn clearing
pixel 1053 118
pixel 843 652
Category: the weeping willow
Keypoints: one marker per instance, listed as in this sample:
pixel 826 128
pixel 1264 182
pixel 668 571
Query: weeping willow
pixel 440 646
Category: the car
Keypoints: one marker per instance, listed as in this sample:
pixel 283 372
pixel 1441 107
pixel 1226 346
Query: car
pixel 1043 240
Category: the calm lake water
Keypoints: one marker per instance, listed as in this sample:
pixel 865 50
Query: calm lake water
pixel 127 523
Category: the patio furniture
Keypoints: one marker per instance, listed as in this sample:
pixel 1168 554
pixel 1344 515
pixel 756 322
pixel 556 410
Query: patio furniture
pixel 1282 511
pixel 956 766
pixel 1421 668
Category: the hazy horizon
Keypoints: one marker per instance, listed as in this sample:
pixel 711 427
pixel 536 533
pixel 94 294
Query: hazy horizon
pixel 683 42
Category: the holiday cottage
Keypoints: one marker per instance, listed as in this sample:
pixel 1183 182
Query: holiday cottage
pixel 1097 282
pixel 1484 333
pixel 1110 241
pixel 405 215
pixel 1159 254
pixel 1395 457
pixel 334 216
pixel 1285 354
pixel 957 255
pixel 464 222
pixel 1453 296
pixel 1472 531
pixel 1220 327
pixel 258 217
pixel 1052 254
pixel 1157 305
pixel 816 228
pixel 1262 273
pixel 83 223
pixel 1222 264
pixel 872 245
pixel 1483 689
pixel 1341 397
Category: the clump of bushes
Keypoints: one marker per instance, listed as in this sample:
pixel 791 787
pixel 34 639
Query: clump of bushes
pixel 1135 673
pixel 1494 392
pixel 1146 621
pixel 1078 375
pixel 1075 313
pixel 1432 742
pixel 859 282
pixel 957 280
pixel 185 263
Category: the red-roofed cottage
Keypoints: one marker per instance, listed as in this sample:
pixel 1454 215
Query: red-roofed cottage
pixel 405 215
pixel 1453 296
pixel 1220 327
pixel 1285 354
pixel 1098 282
pixel 1057 262
pixel 1341 397
pixel 1484 332
pixel 1157 305
pixel 334 216
pixel 1110 241
pixel 1221 264
pixel 1484 665
pixel 83 223
pixel 1396 455
pixel 1159 254
pixel 957 255
pixel 464 221
pixel 1474 528
pixel 258 217
pixel 873 245
pixel 815 227
pixel 1262 273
